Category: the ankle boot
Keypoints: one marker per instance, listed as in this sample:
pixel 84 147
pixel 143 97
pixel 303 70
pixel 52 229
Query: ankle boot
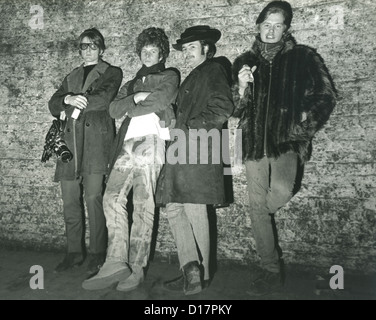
pixel 192 278
pixel 189 282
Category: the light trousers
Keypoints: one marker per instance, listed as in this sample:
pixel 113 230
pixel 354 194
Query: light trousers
pixel 190 228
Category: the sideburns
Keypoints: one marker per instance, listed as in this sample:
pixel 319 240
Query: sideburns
pixel 202 49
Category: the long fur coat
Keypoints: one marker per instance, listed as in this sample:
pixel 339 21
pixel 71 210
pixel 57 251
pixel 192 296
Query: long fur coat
pixel 290 99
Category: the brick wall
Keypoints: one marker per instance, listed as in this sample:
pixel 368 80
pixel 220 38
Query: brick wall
pixel 331 221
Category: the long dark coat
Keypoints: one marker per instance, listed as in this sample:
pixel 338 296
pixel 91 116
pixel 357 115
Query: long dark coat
pixel 90 137
pixel 290 100
pixel 204 102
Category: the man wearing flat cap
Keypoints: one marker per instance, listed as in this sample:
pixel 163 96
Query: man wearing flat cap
pixel 195 180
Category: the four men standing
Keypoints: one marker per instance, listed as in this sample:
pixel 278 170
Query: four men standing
pixel 283 95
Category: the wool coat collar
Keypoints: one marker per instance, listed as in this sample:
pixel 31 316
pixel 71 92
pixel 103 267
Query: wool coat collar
pixel 76 77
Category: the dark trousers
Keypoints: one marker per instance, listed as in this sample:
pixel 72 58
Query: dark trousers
pixel 271 184
pixel 90 188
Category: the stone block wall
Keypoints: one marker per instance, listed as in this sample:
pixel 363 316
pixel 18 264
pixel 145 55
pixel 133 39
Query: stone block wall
pixel 332 220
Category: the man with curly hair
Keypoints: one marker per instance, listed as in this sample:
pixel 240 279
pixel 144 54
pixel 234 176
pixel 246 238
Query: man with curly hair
pixel 138 156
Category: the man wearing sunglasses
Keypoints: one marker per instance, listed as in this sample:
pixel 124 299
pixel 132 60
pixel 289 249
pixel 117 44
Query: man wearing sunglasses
pixel 83 99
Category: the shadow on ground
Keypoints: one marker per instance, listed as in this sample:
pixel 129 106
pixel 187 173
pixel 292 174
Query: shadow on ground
pixel 229 283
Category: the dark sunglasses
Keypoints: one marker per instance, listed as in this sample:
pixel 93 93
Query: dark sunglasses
pixel 84 46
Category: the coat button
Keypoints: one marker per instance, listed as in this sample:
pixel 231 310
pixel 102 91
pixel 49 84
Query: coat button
pixel 68 130
pixel 87 124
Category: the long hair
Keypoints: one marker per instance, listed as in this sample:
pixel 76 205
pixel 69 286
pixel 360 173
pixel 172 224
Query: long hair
pixel 212 49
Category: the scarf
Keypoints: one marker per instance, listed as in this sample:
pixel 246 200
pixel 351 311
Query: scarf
pixel 269 50
pixel 143 72
pixel 119 138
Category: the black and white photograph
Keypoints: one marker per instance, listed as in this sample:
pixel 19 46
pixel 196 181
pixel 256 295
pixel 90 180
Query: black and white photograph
pixel 187 157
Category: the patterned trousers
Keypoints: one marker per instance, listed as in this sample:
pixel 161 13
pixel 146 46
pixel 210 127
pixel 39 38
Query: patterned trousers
pixel 138 167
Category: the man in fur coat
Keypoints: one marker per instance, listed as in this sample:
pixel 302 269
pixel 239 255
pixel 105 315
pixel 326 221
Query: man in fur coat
pixel 283 95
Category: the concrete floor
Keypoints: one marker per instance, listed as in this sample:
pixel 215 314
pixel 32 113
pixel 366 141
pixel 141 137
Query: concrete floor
pixel 229 283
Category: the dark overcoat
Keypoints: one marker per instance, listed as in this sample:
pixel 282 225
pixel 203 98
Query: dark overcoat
pixel 192 174
pixel 291 98
pixel 89 138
